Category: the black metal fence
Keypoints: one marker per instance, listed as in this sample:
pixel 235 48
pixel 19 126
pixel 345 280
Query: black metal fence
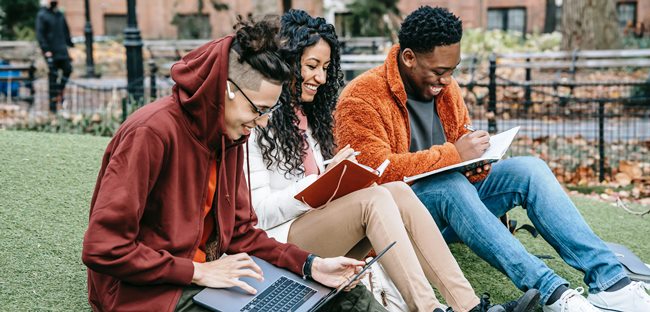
pixel 83 96
pixel 580 137
pixel 582 119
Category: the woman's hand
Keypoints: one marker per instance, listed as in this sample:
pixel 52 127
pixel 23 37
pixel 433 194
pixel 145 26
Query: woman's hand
pixel 226 271
pixel 345 153
pixel 334 272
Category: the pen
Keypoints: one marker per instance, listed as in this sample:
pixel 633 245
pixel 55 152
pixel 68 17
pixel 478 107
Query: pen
pixel 327 162
pixel 470 128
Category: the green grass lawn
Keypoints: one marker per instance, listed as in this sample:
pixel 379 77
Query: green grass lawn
pixel 46 182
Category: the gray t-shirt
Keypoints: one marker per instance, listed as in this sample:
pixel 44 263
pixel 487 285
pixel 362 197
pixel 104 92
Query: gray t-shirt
pixel 426 128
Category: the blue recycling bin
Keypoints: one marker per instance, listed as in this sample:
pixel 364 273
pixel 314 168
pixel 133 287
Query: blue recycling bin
pixel 8 87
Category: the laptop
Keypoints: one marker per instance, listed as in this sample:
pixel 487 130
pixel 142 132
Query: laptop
pixel 281 290
pixel 636 269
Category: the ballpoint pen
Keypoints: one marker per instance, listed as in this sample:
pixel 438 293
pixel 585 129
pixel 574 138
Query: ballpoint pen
pixel 327 162
pixel 470 128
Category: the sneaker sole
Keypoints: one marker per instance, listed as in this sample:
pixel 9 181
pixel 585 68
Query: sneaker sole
pixel 528 302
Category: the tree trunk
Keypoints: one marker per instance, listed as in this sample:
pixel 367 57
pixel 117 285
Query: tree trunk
pixel 589 25
pixel 393 22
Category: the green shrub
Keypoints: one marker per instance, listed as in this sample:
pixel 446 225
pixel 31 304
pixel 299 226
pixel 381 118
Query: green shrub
pixel 484 42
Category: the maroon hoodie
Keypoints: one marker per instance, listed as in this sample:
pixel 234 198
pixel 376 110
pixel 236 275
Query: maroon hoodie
pixel 146 217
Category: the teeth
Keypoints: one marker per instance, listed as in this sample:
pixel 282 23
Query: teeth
pixel 311 87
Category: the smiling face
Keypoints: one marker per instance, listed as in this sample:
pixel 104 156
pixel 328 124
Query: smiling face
pixel 425 74
pixel 314 62
pixel 240 117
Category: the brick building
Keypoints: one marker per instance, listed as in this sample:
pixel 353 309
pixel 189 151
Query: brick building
pixel 520 15
pixel 171 19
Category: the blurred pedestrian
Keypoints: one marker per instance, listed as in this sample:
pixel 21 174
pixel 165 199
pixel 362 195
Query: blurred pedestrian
pixel 53 37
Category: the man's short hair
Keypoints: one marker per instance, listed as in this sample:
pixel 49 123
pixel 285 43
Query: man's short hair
pixel 427 28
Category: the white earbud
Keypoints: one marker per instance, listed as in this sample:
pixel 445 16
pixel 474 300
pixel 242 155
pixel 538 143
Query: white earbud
pixel 231 95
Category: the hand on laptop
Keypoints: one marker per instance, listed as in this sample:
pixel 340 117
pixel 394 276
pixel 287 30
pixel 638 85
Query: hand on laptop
pixel 334 272
pixel 226 272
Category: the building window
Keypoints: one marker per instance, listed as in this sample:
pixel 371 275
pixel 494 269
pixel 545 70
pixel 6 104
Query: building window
pixel 193 26
pixel 114 24
pixel 507 19
pixel 626 14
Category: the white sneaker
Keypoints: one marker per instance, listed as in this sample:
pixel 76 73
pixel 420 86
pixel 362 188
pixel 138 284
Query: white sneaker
pixel 631 298
pixel 571 301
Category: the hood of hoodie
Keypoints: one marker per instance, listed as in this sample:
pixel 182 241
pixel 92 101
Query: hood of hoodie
pixel 200 78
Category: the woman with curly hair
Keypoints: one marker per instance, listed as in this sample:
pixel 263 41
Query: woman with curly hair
pixel 289 154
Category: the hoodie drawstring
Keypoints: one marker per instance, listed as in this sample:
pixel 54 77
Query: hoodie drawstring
pixel 222 166
pixel 248 172
pixel 220 173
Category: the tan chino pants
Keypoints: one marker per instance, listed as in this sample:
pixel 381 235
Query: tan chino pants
pixel 375 217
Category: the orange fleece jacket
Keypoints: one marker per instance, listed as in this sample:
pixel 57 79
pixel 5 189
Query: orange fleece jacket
pixel 371 116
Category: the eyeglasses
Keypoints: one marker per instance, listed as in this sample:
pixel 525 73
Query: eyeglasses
pixel 262 112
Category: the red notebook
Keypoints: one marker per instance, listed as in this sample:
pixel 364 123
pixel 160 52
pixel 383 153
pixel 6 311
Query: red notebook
pixel 345 178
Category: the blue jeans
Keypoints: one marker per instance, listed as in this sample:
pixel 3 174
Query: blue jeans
pixel 468 211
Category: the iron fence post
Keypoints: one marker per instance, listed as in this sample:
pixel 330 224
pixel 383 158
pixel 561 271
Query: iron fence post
pixel 125 109
pixel 601 140
pixel 492 95
pixel 573 70
pixel 32 80
pixel 134 66
pixel 153 87
pixel 88 33
pixel 527 91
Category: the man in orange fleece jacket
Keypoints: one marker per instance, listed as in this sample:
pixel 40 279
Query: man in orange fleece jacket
pixel 411 111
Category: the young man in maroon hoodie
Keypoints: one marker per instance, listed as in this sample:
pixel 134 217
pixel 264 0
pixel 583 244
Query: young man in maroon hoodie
pixel 171 196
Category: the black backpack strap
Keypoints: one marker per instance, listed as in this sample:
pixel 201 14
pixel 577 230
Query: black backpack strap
pixel 528 228
pixel 511 225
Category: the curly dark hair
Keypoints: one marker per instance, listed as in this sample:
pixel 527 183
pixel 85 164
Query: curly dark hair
pixel 257 43
pixel 281 141
pixel 427 28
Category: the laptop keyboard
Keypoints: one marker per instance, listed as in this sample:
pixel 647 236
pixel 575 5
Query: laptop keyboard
pixel 283 295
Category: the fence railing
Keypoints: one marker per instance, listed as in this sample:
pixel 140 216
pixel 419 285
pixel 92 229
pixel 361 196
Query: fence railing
pixel 582 121
pixel 584 127
pixel 12 77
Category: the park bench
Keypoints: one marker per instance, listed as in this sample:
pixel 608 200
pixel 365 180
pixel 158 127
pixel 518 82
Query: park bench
pixel 354 64
pixel 572 61
pixel 17 70
pixel 364 45
pixel 164 53
pixel 566 64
